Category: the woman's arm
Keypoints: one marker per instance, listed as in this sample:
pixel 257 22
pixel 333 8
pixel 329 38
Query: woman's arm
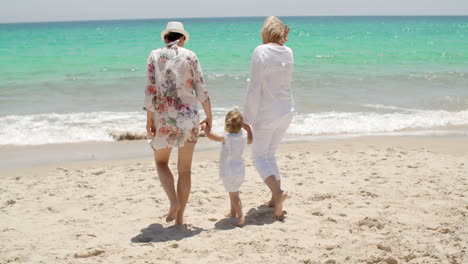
pixel 151 88
pixel 150 127
pixel 150 91
pixel 200 90
pixel 209 116
pixel 249 133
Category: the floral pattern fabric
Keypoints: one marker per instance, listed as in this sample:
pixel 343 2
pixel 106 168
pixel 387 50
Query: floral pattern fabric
pixel 174 87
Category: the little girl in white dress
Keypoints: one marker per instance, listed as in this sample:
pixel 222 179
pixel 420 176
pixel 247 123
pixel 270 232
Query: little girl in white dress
pixel 231 165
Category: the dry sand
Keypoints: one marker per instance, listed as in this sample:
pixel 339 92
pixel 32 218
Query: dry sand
pixel 367 200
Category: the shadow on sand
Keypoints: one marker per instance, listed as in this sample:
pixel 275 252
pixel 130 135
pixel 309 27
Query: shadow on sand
pixel 158 233
pixel 261 215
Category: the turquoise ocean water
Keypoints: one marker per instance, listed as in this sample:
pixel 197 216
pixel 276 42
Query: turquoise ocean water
pixel 83 81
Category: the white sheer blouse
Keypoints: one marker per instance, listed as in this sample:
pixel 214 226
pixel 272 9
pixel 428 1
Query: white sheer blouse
pixel 269 95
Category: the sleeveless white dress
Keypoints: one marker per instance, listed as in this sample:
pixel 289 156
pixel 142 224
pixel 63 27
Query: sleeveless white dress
pixel 231 164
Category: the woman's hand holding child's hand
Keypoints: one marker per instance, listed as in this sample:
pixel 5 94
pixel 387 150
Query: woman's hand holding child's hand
pixel 205 127
pixel 207 121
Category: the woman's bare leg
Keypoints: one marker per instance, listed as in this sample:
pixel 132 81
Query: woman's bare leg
pixel 271 203
pixel 184 184
pixel 161 158
pixel 273 145
pixel 278 195
pixel 232 212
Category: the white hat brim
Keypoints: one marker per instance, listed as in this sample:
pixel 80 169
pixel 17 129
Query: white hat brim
pixel 183 32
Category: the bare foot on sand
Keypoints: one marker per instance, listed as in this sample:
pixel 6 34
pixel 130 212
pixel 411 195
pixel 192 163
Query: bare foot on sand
pixel 279 205
pixel 173 212
pixel 240 221
pixel 271 203
pixel 182 227
pixel 231 214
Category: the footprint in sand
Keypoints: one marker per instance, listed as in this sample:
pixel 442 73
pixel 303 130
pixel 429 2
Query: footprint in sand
pixel 445 230
pixel 99 172
pixel 370 222
pixel 384 248
pixel 10 202
pixel 368 194
pixel 329 247
pixel 321 197
pixel 93 253
pixel 52 210
pixel 84 235
pixel 390 260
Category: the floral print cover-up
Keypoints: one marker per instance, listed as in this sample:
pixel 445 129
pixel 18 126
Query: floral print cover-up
pixel 174 87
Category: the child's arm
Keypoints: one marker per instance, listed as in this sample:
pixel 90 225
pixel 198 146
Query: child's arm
pixel 211 135
pixel 249 133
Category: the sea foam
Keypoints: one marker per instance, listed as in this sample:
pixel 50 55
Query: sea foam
pixel 112 126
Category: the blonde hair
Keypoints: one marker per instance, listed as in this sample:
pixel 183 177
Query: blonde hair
pixel 272 30
pixel 233 122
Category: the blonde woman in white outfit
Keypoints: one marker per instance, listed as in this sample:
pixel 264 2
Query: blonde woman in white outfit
pixel 269 105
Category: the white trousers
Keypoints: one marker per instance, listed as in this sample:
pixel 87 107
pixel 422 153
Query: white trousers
pixel 266 139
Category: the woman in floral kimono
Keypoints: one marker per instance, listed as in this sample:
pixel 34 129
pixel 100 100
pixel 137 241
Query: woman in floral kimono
pixel 175 85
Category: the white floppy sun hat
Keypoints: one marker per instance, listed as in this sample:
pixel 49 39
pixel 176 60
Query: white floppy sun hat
pixel 176 27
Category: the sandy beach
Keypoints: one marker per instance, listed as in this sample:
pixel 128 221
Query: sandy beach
pixel 362 200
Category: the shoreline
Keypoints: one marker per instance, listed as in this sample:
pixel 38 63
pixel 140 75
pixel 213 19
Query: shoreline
pixel 12 158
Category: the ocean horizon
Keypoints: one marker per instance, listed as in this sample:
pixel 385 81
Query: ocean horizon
pixel 77 81
pixel 230 17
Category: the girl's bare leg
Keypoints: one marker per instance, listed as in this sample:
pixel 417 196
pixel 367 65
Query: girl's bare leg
pixel 237 204
pixel 161 158
pixel 184 184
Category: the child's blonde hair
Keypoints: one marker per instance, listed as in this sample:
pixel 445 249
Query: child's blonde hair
pixel 273 30
pixel 233 122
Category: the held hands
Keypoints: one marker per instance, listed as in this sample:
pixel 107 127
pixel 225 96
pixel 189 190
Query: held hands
pixel 205 128
pixel 207 122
